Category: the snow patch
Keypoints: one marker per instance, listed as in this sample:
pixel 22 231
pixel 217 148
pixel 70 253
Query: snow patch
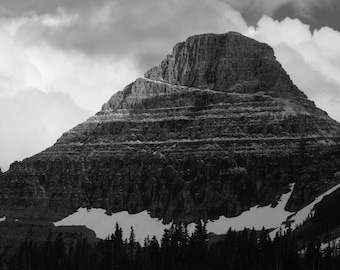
pixel 104 225
pixel 256 217
pixel 330 244
pixel 300 216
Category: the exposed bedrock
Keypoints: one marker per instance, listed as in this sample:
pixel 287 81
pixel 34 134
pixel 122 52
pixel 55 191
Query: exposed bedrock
pixel 216 128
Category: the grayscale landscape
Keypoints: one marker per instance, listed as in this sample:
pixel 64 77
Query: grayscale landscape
pixel 169 135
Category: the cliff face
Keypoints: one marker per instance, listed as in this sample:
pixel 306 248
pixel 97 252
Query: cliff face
pixel 216 128
pixel 219 62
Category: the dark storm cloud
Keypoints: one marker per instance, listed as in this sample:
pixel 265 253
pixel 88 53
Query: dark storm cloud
pixel 145 29
pixel 327 15
pixel 20 7
pixel 318 13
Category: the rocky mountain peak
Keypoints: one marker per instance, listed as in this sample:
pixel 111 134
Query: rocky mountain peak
pixel 215 129
pixel 225 62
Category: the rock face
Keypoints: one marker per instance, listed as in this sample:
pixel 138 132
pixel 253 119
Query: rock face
pixel 216 128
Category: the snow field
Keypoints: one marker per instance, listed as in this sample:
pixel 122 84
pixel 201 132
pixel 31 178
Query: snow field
pixel 300 216
pixel 256 217
pixel 103 225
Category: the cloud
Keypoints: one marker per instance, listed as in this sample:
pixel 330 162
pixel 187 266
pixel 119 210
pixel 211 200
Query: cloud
pixel 324 91
pixel 144 30
pixel 32 120
pixel 291 32
pixel 45 91
pixel 14 65
pixel 19 8
pixel 253 10
pixel 328 40
pixel 90 81
pixel 310 58
pixel 28 61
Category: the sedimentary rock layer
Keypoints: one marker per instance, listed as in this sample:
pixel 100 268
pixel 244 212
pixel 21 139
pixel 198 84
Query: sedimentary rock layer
pixel 216 128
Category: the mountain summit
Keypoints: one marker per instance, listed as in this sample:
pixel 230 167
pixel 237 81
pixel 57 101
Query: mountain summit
pixel 228 62
pixel 217 128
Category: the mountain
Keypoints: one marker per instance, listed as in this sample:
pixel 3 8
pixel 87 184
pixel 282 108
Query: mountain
pixel 214 130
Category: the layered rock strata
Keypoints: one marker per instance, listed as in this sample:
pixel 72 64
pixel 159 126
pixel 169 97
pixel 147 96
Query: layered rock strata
pixel 216 128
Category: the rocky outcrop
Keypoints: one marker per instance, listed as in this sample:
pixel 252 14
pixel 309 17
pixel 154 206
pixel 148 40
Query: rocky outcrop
pixel 219 62
pixel 216 128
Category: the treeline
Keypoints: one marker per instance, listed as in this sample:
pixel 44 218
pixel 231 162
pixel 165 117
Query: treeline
pixel 246 250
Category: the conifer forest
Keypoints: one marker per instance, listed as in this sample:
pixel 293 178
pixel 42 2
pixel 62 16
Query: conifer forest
pixel 243 250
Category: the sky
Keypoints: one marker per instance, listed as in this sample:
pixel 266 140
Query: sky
pixel 61 60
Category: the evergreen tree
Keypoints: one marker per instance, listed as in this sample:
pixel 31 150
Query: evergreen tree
pixel 198 245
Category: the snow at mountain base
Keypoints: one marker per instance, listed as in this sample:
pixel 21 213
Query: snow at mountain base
pixel 256 217
pixel 299 217
pixel 104 225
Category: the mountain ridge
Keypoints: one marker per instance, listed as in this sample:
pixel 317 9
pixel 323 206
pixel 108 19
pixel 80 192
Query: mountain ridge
pixel 215 129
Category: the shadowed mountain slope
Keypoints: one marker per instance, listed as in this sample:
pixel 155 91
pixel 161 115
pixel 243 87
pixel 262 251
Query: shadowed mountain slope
pixel 215 129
